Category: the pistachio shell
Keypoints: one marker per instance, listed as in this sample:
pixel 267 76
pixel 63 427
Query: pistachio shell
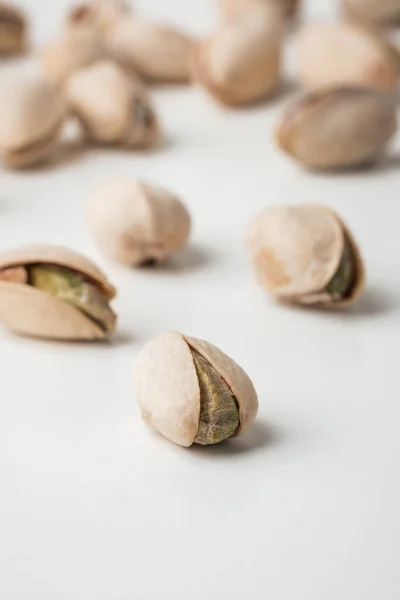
pixel 297 250
pixel 101 15
pixel 340 54
pixel 168 391
pixel 240 63
pixel 12 29
pixel 31 115
pixel 112 107
pixel 338 128
pixel 135 222
pixel 373 11
pixel 156 52
pixel 235 8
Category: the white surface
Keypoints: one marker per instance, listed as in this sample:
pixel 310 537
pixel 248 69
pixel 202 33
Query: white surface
pixel 93 506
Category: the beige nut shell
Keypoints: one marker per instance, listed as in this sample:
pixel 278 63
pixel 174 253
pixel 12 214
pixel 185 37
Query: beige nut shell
pixel 373 11
pixel 32 312
pixel 136 222
pixel 296 251
pixel 168 391
pixel 156 52
pixel 237 8
pixel 338 128
pixel 340 54
pixel 100 15
pixel 112 107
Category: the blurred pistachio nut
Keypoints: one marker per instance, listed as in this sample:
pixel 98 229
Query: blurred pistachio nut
pixel 340 54
pixel 382 12
pixel 137 223
pixel 235 8
pixel 112 107
pixel 12 29
pixel 339 128
pixel 156 52
pixel 31 116
pixel 101 15
pixel 191 392
pixel 306 255
pixel 53 292
pixel 241 62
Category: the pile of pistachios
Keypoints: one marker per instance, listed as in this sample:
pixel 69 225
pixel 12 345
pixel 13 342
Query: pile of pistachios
pixel 98 72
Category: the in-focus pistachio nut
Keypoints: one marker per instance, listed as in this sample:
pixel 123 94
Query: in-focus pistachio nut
pixel 53 292
pixel 241 62
pixel 235 8
pixel 305 254
pixel 77 47
pixel 137 223
pixel 191 392
pixel 101 15
pixel 380 12
pixel 31 116
pixel 156 52
pixel 12 29
pixel 340 54
pixel 112 107
pixel 339 128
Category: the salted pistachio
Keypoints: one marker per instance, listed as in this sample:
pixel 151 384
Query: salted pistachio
pixel 112 107
pixel 191 392
pixel 31 116
pixel 338 128
pixel 235 8
pixel 101 15
pixel 12 29
pixel 241 62
pixel 75 48
pixel 339 54
pixel 305 254
pixel 382 12
pixel 156 52
pixel 137 223
pixel 53 292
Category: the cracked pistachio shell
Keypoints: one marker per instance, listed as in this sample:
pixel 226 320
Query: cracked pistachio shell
pixel 12 29
pixel 382 12
pixel 236 8
pixel 241 62
pixel 340 128
pixel 340 54
pixel 297 250
pixel 112 107
pixel 137 223
pixel 31 115
pixel 33 312
pixel 167 386
pixel 77 47
pixel 101 15
pixel 156 52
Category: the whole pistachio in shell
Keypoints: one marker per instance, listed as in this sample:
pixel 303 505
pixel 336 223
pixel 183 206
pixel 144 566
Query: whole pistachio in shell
pixel 191 392
pixel 101 15
pixel 340 54
pixel 156 52
pixel 31 115
pixel 53 292
pixel 338 128
pixel 112 107
pixel 12 29
pixel 306 255
pixel 241 62
pixel 382 12
pixel 137 223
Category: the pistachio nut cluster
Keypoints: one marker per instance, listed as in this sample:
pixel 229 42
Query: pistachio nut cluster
pixel 137 223
pixel 340 54
pixel 305 254
pixel 12 29
pixel 53 292
pixel 338 128
pixel 191 392
pixel 384 12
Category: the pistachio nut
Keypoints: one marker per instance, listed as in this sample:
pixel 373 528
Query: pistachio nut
pixel 241 62
pixel 12 29
pixel 31 115
pixel 137 223
pixel 101 15
pixel 156 52
pixel 384 12
pixel 77 47
pixel 112 107
pixel 53 292
pixel 191 392
pixel 305 254
pixel 339 128
pixel 339 54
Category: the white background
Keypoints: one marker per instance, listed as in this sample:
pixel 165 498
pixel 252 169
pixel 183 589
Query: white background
pixel 93 506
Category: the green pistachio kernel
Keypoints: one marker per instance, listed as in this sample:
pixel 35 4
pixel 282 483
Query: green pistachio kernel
pixel 219 410
pixel 73 288
pixel 342 283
